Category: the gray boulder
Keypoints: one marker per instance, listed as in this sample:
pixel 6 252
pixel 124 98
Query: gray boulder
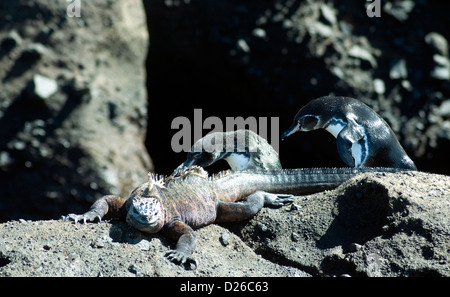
pixel 372 225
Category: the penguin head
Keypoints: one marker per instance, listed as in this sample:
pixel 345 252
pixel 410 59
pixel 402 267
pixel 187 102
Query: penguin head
pixel 314 115
pixel 236 160
pixel 206 151
pixel 202 159
pixel 307 122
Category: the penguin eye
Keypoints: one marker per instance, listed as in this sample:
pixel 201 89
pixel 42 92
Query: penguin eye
pixel 204 158
pixel 308 122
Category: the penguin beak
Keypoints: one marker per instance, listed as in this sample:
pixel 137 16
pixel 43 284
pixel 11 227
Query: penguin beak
pixel 294 128
pixel 187 163
pixel 198 159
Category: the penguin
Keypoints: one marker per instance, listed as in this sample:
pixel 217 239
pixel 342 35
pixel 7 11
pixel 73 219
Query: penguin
pixel 241 149
pixel 363 138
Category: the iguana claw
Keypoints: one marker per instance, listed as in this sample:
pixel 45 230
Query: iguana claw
pixel 277 200
pixel 86 217
pixel 181 258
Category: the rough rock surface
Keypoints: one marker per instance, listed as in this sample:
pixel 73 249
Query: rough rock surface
pixel 73 105
pixel 372 225
pixel 57 248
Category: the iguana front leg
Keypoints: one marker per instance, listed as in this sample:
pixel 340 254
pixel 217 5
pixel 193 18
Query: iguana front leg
pixel 186 241
pixel 109 204
pixel 247 208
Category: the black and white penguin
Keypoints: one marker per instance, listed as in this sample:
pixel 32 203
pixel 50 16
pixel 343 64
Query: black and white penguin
pixel 242 149
pixel 363 138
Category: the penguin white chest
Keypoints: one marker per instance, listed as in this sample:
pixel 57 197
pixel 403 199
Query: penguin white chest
pixel 357 153
pixel 335 127
pixel 360 151
pixel 237 161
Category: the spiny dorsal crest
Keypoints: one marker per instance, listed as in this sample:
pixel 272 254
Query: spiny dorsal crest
pixel 220 174
pixel 194 170
pixel 184 172
pixel 155 182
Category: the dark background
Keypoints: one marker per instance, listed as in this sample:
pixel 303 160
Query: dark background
pixel 194 62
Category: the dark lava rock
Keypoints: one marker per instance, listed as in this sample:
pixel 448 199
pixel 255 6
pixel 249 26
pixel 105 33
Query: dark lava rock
pixel 61 144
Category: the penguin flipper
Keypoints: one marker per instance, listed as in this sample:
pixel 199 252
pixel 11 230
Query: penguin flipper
pixel 345 151
pixel 350 135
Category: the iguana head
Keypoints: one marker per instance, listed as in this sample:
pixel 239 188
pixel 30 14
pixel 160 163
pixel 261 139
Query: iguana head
pixel 145 210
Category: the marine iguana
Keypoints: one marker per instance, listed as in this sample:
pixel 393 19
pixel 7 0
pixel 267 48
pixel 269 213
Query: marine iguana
pixel 242 149
pixel 177 204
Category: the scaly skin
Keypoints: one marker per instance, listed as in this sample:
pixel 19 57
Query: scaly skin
pixel 191 199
